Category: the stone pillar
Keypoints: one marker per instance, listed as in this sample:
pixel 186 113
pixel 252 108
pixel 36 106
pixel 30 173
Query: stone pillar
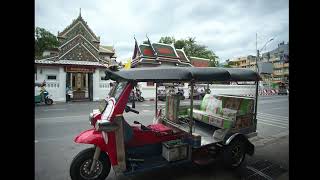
pixel 62 84
pixel 71 80
pixel 95 83
pixel 86 86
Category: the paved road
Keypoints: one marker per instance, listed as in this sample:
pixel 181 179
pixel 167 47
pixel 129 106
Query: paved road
pixel 57 125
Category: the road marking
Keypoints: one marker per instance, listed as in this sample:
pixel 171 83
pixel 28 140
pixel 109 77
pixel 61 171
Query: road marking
pixel 260 113
pixel 279 108
pixel 54 109
pixel 145 110
pixel 271 101
pixel 36 141
pixel 62 117
pixel 272 122
pixel 273 116
pixel 275 119
pixel 145 105
pixel 273 125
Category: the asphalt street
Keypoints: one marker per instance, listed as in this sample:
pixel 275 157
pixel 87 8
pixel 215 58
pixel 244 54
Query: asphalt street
pixel 57 125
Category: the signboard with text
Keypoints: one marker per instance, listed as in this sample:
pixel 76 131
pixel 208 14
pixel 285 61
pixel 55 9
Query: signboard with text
pixel 80 69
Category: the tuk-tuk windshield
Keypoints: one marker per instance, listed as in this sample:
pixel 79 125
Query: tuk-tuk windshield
pixel 115 92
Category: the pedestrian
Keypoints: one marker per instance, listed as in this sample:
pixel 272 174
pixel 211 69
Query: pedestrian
pixel 68 92
pixel 42 90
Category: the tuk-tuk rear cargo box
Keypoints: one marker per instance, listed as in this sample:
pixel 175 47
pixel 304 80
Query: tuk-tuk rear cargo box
pixel 174 150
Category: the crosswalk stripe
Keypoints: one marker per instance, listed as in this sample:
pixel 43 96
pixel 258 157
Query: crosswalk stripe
pixel 272 122
pixel 273 125
pixel 271 101
pixel 260 113
pixel 273 119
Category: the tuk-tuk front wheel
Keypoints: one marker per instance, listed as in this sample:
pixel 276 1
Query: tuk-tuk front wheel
pixel 48 101
pixel 234 153
pixel 81 164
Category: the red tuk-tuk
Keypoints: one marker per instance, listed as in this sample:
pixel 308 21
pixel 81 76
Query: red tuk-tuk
pixel 130 149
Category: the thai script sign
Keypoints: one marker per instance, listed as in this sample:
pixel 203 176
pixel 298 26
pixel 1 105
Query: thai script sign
pixel 79 69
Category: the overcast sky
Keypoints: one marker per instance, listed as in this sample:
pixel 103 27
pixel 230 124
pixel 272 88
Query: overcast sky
pixel 227 27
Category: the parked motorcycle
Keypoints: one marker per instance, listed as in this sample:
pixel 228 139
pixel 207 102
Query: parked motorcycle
pixel 43 96
pixel 136 96
pixel 181 93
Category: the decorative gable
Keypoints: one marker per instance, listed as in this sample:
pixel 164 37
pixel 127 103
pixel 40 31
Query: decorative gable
pixel 76 40
pixel 79 53
pixel 165 50
pixel 146 51
pixel 78 26
pixel 183 57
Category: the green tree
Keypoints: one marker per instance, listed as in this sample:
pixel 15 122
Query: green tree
pixel 179 44
pixel 191 48
pixel 167 40
pixel 44 40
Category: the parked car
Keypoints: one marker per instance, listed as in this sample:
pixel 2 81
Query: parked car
pixel 282 90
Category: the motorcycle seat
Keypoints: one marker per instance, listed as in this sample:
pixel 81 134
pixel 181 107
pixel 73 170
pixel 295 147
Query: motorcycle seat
pixel 160 128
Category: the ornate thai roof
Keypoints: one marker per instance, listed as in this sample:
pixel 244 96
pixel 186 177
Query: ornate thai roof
pixel 79 19
pixel 146 51
pixel 156 53
pixel 182 55
pixel 165 50
pixel 106 49
pixel 51 61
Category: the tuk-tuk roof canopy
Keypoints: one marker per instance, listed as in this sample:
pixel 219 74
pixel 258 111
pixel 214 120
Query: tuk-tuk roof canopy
pixel 173 74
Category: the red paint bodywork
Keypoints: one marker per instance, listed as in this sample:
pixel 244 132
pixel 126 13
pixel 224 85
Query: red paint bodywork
pixel 158 133
pixel 95 137
pixel 142 137
pixel 92 136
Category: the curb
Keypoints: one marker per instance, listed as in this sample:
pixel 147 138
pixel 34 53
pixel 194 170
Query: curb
pixel 261 141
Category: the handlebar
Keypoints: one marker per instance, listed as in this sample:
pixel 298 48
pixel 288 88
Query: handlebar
pixel 128 108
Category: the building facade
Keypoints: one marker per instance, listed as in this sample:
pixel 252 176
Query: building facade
pixel 78 65
pixel 279 58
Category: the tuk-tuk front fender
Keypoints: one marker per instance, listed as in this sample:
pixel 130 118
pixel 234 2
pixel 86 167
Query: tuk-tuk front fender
pixel 243 138
pixel 92 136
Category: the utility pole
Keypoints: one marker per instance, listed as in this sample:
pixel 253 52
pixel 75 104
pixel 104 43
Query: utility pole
pixel 257 68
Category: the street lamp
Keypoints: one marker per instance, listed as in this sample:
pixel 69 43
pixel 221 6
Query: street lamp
pixel 257 58
pixel 258 51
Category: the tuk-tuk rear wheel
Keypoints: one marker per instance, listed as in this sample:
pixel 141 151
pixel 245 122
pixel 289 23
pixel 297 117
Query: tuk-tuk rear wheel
pixel 80 166
pixel 234 153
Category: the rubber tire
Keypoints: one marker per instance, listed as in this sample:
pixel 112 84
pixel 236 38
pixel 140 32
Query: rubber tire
pixel 85 155
pixel 227 153
pixel 48 101
pixel 141 99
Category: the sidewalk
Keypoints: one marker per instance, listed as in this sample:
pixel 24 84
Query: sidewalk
pixel 275 150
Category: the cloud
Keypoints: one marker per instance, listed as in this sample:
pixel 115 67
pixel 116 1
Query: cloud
pixel 227 27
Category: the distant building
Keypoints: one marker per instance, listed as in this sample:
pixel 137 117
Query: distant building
pixel 244 62
pixel 279 58
pixel 78 63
